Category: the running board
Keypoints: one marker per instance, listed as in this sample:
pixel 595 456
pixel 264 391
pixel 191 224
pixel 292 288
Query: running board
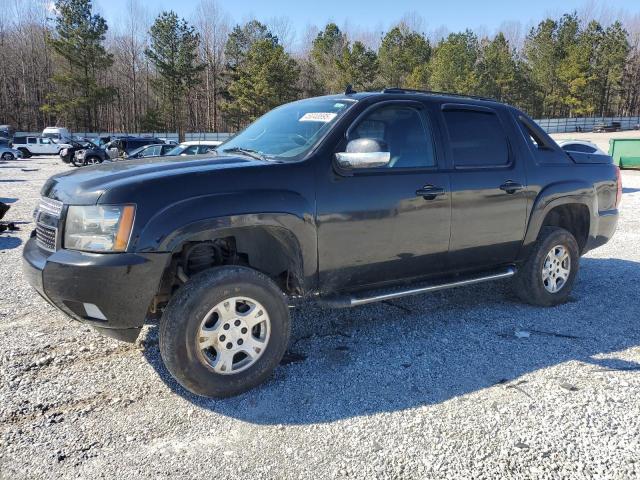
pixel 390 294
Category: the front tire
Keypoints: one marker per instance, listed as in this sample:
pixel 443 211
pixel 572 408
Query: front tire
pixel 25 152
pixel 8 156
pixel 547 277
pixel 225 331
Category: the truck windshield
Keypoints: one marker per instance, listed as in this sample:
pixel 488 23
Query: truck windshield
pixel 288 132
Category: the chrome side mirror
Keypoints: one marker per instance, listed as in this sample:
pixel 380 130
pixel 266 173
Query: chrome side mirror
pixel 364 153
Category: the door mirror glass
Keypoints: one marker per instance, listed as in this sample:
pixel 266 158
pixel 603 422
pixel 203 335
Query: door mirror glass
pixel 364 153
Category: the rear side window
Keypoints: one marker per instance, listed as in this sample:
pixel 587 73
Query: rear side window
pixel 476 139
pixel 578 147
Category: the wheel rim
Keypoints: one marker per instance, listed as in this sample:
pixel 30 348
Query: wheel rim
pixel 233 335
pixel 556 269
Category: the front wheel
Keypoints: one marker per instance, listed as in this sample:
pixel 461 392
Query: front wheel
pixel 7 156
pixel 25 153
pixel 225 331
pixel 548 275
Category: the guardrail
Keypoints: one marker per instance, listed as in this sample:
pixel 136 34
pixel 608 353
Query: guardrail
pixel 169 136
pixel 585 124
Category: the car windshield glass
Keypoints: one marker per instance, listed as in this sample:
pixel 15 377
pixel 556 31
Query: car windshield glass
pixel 290 131
pixel 177 150
pixel 136 151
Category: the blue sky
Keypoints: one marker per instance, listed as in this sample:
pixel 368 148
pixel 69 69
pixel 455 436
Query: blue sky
pixel 453 15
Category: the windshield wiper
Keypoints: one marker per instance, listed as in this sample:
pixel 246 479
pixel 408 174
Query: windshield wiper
pixel 247 151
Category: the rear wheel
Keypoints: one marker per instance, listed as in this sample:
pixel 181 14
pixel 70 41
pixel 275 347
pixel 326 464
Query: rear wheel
pixel 8 156
pixel 92 160
pixel 225 331
pixel 548 275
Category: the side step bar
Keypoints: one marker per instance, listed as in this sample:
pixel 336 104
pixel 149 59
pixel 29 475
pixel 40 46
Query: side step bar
pixel 390 294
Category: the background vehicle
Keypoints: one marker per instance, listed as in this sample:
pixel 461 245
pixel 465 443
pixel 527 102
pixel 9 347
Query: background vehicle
pixel 194 148
pixel 67 153
pixel 89 155
pixel 8 153
pixel 6 134
pixel 60 134
pixel 120 146
pixel 582 146
pixel 37 146
pixel 341 200
pixel 156 150
pixel 607 127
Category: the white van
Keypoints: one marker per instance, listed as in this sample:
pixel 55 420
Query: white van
pixel 57 133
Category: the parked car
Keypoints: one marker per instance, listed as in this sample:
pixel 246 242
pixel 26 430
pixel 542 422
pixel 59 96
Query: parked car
pixel 126 145
pixel 60 134
pixel 583 146
pixel 339 201
pixel 30 146
pixel 67 154
pixel 607 127
pixel 153 150
pixel 90 155
pixel 6 134
pixel 197 147
pixel 8 153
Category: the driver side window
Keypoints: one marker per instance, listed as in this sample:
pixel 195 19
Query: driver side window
pixel 404 130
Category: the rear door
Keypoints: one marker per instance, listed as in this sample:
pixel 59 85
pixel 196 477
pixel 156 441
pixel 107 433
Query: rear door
pixel 488 187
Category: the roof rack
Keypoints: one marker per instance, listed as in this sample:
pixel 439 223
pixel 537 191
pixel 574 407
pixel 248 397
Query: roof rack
pixel 432 92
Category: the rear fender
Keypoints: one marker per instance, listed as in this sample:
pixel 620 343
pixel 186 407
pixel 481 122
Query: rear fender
pixel 555 195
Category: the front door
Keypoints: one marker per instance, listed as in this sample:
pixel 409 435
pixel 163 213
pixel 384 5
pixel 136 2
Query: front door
pixel 384 225
pixel 488 188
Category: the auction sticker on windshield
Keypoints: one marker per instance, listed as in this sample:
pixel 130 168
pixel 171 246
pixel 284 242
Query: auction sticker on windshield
pixel 323 117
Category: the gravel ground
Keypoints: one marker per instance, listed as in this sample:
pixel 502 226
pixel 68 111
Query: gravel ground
pixel 459 384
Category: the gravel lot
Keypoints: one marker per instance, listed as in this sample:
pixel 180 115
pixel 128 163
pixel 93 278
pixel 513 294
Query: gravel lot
pixel 459 384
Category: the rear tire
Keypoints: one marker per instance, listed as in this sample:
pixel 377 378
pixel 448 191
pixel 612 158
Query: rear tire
pixel 547 277
pixel 225 331
pixel 8 156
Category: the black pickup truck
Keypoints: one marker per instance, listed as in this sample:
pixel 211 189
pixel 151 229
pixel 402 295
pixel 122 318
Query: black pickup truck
pixel 340 200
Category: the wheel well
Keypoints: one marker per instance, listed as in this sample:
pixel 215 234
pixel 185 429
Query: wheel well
pixel 273 251
pixel 573 218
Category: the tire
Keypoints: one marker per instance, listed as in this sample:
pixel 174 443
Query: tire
pixel 25 152
pixel 185 320
pixel 8 156
pixel 93 160
pixel 529 283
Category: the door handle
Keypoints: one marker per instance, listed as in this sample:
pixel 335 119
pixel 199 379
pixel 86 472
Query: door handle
pixel 429 192
pixel 511 187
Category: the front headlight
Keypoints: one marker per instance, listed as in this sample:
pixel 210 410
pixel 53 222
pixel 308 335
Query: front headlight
pixel 99 228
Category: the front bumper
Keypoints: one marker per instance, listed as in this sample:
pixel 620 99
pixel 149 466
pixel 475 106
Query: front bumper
pixel 111 292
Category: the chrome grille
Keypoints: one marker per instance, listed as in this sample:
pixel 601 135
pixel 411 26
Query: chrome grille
pixel 47 217
pixel 46 236
pixel 50 206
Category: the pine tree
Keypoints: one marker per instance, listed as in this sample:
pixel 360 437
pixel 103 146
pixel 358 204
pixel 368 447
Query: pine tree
pixel 453 66
pixel 78 39
pixel 174 53
pixel 328 53
pixel 266 79
pixel 403 56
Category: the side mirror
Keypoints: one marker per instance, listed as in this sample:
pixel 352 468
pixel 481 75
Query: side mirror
pixel 364 153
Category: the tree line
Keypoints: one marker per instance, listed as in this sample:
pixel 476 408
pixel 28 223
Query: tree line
pixel 65 66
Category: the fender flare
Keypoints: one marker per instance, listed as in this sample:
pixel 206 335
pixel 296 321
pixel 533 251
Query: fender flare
pixel 199 219
pixel 555 195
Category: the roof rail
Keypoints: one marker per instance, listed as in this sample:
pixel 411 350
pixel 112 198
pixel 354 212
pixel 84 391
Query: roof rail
pixel 432 92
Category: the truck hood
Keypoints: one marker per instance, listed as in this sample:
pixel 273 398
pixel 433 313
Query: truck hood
pixel 86 185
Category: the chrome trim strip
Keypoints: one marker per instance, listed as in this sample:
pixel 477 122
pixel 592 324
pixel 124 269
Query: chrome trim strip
pixel 354 301
pixel 50 206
